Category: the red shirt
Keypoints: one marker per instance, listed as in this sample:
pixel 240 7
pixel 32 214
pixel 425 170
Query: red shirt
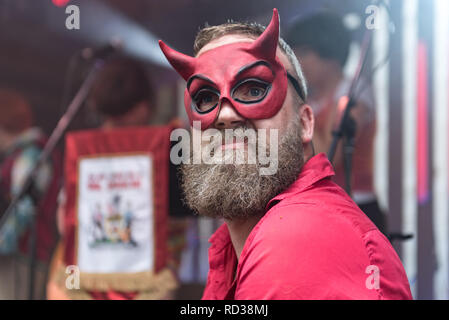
pixel 313 243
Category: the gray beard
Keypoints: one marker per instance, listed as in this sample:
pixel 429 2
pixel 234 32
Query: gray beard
pixel 232 191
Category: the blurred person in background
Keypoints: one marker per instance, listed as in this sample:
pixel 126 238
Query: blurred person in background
pixel 322 43
pixel 20 146
pixel 123 96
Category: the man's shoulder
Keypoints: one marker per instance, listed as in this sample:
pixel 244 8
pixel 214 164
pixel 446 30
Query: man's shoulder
pixel 316 254
pixel 319 250
pixel 320 245
pixel 331 228
pixel 325 206
pixel 314 224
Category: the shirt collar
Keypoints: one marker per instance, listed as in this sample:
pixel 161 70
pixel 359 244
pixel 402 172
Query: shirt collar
pixel 221 238
pixel 314 170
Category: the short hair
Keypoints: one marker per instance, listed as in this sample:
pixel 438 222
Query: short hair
pixel 15 112
pixel 251 30
pixel 120 85
pixel 324 33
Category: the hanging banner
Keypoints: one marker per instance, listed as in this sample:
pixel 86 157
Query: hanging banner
pixel 116 209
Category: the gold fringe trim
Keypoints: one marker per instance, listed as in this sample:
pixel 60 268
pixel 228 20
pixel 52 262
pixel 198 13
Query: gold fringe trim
pixel 149 285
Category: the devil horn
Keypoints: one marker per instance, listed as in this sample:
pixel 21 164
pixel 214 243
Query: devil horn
pixel 267 42
pixel 183 64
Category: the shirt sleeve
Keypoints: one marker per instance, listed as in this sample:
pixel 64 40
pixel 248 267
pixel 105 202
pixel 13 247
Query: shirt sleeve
pixel 304 254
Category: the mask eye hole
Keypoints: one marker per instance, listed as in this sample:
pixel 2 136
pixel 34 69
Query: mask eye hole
pixel 250 91
pixel 206 99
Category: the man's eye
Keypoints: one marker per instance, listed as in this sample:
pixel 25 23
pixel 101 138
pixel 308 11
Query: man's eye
pixel 256 92
pixel 250 91
pixel 205 100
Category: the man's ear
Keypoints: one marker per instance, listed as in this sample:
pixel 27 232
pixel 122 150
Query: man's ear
pixel 307 120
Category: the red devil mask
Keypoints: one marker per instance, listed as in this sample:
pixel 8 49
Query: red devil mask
pixel 248 75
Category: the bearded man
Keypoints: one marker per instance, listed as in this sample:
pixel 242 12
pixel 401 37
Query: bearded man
pixel 293 234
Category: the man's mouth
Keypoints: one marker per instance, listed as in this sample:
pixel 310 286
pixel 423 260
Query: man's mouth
pixel 234 145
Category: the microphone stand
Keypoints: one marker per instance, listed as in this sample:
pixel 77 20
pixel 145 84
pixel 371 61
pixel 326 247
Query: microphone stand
pixel 347 127
pixel 28 188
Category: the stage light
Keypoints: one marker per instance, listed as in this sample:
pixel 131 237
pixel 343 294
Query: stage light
pixel 60 3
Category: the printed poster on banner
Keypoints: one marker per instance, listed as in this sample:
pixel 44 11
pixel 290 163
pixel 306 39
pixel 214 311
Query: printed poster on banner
pixel 116 214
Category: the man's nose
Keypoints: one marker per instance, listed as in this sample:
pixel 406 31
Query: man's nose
pixel 228 117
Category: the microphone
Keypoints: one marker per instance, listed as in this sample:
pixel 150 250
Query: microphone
pixel 102 52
